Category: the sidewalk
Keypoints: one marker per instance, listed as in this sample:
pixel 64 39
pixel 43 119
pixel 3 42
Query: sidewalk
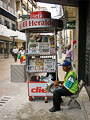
pixel 15 105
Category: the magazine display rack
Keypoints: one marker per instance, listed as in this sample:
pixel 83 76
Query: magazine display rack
pixel 41 51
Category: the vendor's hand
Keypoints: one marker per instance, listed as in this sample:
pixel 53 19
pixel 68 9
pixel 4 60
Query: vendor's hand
pixel 64 60
pixel 62 85
pixel 61 82
pixel 55 83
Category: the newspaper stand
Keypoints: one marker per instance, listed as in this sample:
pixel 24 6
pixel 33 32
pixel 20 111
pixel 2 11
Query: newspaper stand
pixel 40 22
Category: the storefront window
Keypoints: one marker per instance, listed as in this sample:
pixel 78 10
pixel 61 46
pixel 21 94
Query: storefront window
pixel 1 47
pixel 4 47
pixel 0 20
pixel 6 23
pixel 13 26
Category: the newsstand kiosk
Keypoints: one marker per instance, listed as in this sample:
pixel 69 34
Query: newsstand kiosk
pixel 40 22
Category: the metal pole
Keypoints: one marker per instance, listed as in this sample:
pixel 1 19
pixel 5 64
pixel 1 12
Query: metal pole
pixel 27 59
pixel 13 41
pixel 55 38
pixel 13 38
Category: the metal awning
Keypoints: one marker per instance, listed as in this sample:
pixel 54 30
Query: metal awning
pixel 44 30
pixel 73 3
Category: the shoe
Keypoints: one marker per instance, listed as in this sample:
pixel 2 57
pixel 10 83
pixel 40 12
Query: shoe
pixel 54 109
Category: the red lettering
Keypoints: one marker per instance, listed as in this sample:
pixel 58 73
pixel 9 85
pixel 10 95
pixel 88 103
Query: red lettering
pixel 53 22
pixel 44 91
pixel 42 22
pixel 35 23
pixel 40 16
pixel 32 23
pixel 25 24
pixel 46 22
pixel 39 22
pixel 35 16
pixel 34 90
pixel 38 90
pixel 29 23
pixel 49 22
pixel 32 16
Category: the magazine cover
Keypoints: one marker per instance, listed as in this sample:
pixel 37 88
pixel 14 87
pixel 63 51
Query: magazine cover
pixel 31 65
pixel 44 48
pixel 39 64
pixel 32 62
pixel 52 51
pixel 31 68
pixel 33 48
pixel 49 64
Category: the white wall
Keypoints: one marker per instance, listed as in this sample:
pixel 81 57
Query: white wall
pixel 7 33
pixel 19 45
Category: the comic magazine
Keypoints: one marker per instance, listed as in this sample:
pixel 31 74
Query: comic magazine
pixel 39 64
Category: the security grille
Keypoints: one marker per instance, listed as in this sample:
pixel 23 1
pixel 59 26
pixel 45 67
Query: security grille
pixel 87 58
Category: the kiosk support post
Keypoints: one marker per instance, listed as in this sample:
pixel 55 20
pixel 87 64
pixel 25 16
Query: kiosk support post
pixel 55 37
pixel 27 41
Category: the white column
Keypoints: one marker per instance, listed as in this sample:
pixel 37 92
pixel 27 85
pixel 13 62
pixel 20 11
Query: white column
pixel 60 46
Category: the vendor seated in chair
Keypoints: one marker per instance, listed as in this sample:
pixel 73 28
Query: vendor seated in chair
pixel 68 87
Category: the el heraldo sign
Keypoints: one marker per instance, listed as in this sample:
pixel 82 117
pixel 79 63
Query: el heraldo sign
pixel 40 20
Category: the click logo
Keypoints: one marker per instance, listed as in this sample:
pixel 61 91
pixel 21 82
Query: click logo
pixel 38 90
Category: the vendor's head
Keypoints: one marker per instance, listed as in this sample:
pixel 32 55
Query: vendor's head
pixel 66 66
pixel 68 46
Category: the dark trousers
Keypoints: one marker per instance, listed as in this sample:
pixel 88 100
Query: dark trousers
pixel 15 57
pixel 57 96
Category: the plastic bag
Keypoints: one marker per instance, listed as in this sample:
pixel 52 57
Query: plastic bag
pixel 19 56
pixel 24 57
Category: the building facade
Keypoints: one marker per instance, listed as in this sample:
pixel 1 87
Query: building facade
pixel 9 33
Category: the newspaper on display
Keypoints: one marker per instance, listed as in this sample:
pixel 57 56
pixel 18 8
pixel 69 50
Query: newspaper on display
pixel 33 48
pixel 49 64
pixel 42 65
pixel 41 48
pixel 39 64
